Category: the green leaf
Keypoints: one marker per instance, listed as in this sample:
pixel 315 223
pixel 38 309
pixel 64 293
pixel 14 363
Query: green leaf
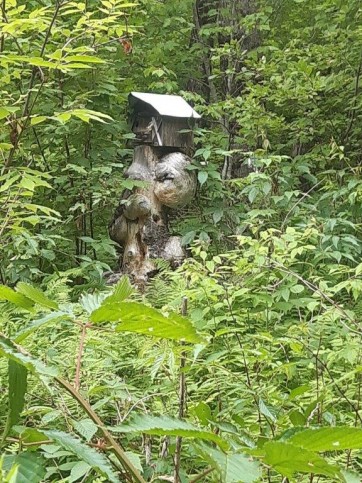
pixel 328 439
pixel 164 425
pixel 135 460
pixel 79 470
pixel 17 389
pixel 84 58
pixel 350 477
pixel 265 410
pixel 31 467
pixel 37 120
pixel 35 324
pixel 203 413
pixel 89 455
pixel 9 350
pixel 121 291
pixel 7 293
pixel 297 288
pixel 139 318
pixel 16 393
pixel 36 295
pixel 202 177
pixel 86 428
pixel 231 467
pixel 3 112
pixel 188 238
pixel 288 459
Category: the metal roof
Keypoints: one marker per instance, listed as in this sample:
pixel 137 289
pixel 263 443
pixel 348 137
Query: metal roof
pixel 167 105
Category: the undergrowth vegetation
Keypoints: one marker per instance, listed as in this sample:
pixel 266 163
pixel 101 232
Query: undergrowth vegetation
pixel 245 363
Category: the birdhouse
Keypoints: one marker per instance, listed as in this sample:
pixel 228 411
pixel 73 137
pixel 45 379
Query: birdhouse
pixel 162 120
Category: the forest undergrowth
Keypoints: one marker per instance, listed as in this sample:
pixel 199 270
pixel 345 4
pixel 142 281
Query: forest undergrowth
pixel 245 363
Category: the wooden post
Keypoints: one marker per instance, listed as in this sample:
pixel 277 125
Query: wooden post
pixel 139 224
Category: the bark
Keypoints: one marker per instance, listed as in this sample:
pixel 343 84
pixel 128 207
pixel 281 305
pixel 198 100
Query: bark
pixel 232 35
pixel 139 224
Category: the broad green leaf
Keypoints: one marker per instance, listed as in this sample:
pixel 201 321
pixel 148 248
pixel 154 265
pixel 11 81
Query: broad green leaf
pixel 164 425
pixel 202 177
pixel 40 62
pixel 203 413
pixel 3 112
pixel 85 453
pixel 6 146
pixel 288 459
pixel 328 439
pixel 84 58
pixel 139 318
pixel 233 468
pixel 31 467
pixel 37 120
pixel 9 350
pixel 36 295
pixel 7 293
pixel 73 65
pixel 63 117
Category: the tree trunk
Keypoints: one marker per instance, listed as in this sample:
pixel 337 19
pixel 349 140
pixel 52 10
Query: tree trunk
pixel 139 224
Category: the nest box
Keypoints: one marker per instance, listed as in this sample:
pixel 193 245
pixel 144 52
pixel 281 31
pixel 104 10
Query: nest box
pixel 162 120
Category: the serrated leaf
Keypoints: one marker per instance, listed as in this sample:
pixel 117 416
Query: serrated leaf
pixel 121 291
pixel 164 425
pixel 36 295
pixel 31 467
pixel 8 294
pixel 86 428
pixel 288 459
pixel 328 439
pixel 139 318
pixel 232 468
pixel 89 455
pixel 91 301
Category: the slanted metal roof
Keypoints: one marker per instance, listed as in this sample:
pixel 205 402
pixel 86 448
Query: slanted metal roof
pixel 166 105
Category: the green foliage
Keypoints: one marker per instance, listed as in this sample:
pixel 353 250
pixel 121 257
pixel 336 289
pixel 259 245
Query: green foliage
pixel 83 452
pixel 268 358
pixel 163 425
pixel 24 467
